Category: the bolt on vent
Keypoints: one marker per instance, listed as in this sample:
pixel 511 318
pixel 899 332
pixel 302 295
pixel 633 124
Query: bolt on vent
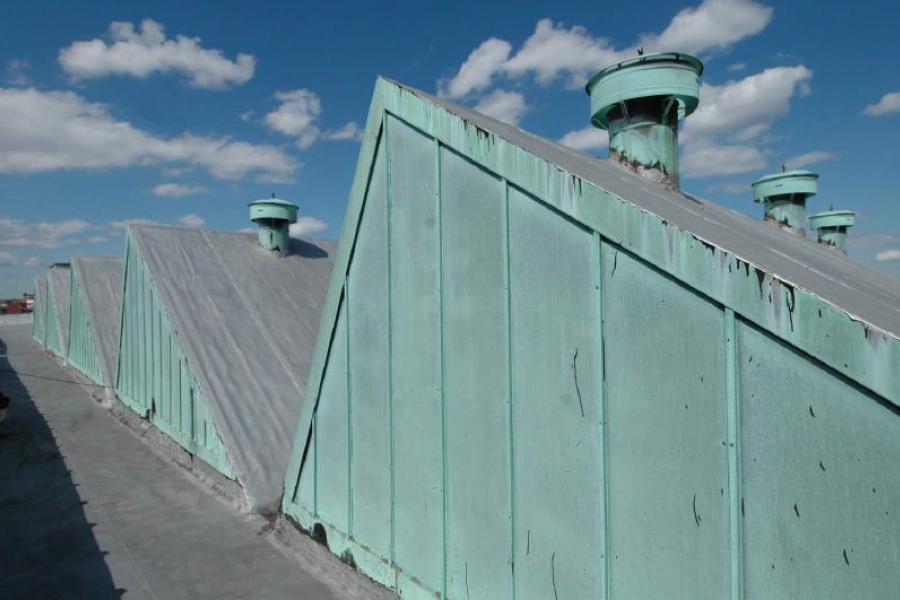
pixel 640 101
pixel 784 197
pixel 832 226
pixel 274 217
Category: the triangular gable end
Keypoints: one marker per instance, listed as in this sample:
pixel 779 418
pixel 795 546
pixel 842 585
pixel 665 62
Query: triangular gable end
pixel 39 311
pixel 753 295
pixel 96 299
pixel 153 376
pixel 58 280
pixel 81 349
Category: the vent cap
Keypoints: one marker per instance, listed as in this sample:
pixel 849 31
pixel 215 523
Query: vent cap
pixel 274 217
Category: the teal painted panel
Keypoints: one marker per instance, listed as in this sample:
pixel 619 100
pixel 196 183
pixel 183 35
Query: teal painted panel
pixel 476 373
pixel 54 342
pixel 367 294
pixel 820 492
pixel 154 378
pixel 38 317
pixel 667 463
pixel 82 353
pixel 332 450
pixel 305 493
pixel 415 340
pixel 556 423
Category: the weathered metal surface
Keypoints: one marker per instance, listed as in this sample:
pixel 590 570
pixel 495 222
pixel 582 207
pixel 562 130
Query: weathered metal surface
pixel 153 375
pixel 39 315
pixel 605 319
pixel 243 320
pixel 81 350
pixel 273 216
pixel 58 279
pixel 784 197
pixel 96 302
pixel 640 102
pixel 831 227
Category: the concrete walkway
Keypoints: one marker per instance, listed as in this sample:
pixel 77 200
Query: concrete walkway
pixel 88 511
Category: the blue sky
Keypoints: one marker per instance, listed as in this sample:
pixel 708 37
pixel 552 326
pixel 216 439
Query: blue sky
pixel 181 113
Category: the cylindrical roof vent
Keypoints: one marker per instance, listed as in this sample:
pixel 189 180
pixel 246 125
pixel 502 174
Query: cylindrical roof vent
pixel 784 197
pixel 832 226
pixel 640 102
pixel 274 217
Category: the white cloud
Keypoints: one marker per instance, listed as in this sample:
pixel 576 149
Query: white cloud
pixel 134 221
pixel 306 226
pixel 555 49
pixel 589 138
pixel 17 72
pixel 7 259
pixel 890 254
pixel 747 106
pixel 738 66
pixel 888 104
pixel 807 159
pixel 296 116
pixel 713 25
pixel 192 220
pixel 718 139
pixel 478 69
pixel 349 131
pixel 709 159
pixel 43 234
pixel 177 190
pixel 246 116
pixel 504 106
pixel 32 262
pixel 148 51
pixel 47 131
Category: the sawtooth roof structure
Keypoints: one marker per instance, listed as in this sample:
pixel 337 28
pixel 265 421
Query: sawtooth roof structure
pixel 99 281
pixel 540 374
pixel 246 321
pixel 58 280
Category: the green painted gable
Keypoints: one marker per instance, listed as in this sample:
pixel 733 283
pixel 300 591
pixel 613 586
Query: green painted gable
pixel 154 378
pixel 528 386
pixel 39 314
pixel 81 351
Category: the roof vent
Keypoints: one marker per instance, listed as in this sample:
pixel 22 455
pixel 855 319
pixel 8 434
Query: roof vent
pixel 640 102
pixel 274 217
pixel 784 197
pixel 832 226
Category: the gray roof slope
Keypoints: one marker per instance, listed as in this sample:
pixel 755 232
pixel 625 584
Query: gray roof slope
pixel 865 293
pixel 247 321
pixel 100 281
pixel 59 278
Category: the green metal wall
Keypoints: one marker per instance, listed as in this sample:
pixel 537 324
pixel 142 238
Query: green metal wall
pixel 53 339
pixel 154 378
pixel 81 352
pixel 514 406
pixel 39 314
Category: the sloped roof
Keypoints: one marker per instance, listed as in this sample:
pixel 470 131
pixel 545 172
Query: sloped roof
pixel 867 294
pixel 59 278
pixel 247 322
pixel 100 281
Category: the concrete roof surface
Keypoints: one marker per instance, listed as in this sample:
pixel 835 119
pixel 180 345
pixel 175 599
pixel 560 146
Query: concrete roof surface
pixel 865 293
pixel 247 321
pixel 89 511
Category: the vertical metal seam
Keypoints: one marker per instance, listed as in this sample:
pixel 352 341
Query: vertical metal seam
pixel 509 391
pixel 733 448
pixel 601 409
pixel 349 409
pixel 390 340
pixel 441 359
pixel 315 441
